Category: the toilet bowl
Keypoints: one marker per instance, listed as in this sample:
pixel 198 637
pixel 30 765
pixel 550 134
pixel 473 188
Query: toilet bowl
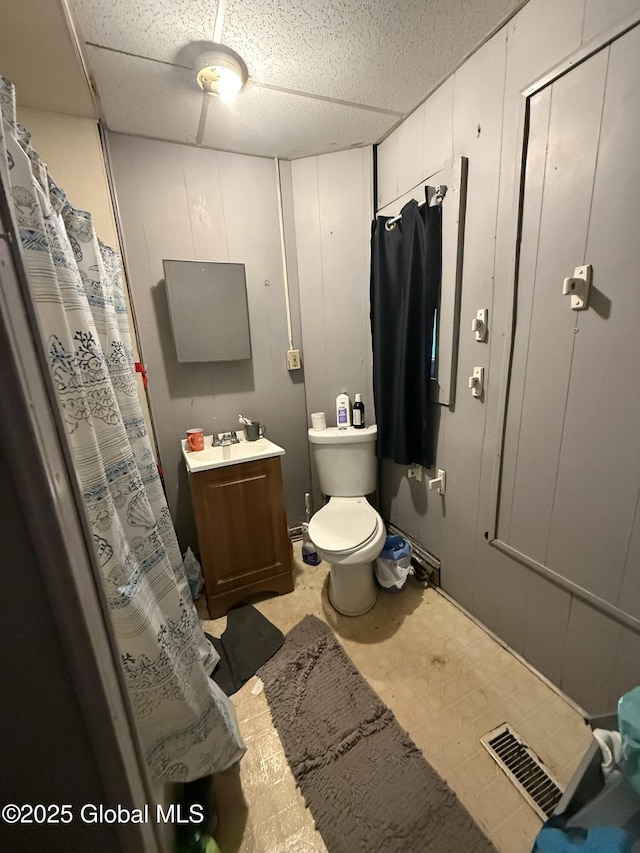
pixel 349 534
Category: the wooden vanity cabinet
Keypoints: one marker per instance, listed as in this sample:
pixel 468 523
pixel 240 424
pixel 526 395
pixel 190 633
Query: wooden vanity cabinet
pixel 242 532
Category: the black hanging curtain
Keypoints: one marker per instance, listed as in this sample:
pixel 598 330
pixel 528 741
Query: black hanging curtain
pixel 406 264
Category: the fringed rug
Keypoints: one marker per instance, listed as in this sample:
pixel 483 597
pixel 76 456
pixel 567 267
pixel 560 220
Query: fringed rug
pixel 366 783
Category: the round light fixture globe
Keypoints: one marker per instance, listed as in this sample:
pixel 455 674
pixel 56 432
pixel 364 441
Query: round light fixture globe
pixel 221 72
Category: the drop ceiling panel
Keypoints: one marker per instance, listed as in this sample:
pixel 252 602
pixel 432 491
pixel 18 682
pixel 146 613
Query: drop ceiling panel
pixel 148 98
pixel 156 29
pixel 373 52
pixel 376 53
pixel 271 123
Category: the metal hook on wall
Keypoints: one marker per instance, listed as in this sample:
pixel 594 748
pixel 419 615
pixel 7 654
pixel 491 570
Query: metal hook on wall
pixel 438 195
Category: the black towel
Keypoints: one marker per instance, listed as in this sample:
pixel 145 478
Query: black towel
pixel 248 642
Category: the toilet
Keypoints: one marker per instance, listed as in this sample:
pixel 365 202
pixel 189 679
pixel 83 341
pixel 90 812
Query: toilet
pixel 347 532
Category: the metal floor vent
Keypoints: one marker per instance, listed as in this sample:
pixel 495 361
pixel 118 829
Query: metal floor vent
pixel 524 768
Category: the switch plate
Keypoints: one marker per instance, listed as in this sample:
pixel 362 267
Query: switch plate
pixel 293 359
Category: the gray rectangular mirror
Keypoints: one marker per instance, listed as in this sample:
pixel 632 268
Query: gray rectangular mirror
pixel 208 309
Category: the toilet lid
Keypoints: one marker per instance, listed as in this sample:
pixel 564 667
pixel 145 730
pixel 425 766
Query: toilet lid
pixel 343 525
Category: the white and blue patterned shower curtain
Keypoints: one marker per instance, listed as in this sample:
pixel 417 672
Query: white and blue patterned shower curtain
pixel 187 726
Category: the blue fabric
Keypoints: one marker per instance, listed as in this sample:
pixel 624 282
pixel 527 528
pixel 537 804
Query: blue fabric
pixel 601 839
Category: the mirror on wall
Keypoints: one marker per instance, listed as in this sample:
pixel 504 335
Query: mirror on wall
pixel 208 309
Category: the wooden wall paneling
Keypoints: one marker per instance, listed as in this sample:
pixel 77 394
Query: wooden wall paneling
pixel 600 16
pixel 629 595
pixel 477 118
pixel 540 112
pixel 304 174
pixel 410 143
pixel 304 178
pixel 575 112
pixel 546 618
pixel 599 470
pixel 438 129
pixel 499 596
pixel 332 201
pixel 201 169
pixel 387 170
pixel 158 205
pixel 626 673
pixel 542 33
pixel 344 232
pixel 285 404
pixel 528 56
pixel 589 658
pixel 213 206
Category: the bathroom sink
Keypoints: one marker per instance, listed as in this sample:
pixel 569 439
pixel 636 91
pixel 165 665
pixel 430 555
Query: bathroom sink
pixel 232 454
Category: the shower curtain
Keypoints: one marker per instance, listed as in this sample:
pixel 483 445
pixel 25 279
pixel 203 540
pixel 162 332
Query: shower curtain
pixel 406 262
pixel 187 726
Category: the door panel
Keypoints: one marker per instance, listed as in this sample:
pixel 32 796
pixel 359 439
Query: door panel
pixel 571 457
pixel 597 481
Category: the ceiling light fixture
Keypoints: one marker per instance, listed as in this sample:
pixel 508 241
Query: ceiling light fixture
pixel 221 72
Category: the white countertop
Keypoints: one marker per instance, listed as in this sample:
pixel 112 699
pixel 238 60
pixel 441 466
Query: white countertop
pixel 232 454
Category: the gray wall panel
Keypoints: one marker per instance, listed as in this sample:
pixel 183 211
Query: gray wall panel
pixel 598 16
pixel 499 594
pixel 589 658
pixel 534 177
pixel 438 133
pixel 626 674
pixel 179 202
pixel 546 620
pixel 629 597
pixel 576 106
pixel 525 609
pixel 333 201
pixel 603 412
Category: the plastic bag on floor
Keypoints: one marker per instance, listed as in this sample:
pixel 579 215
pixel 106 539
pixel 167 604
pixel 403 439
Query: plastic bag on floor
pixel 393 566
pixel 194 574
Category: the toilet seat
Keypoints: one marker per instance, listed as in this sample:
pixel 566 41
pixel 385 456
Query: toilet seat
pixel 344 525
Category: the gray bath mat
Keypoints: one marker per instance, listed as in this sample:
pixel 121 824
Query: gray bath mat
pixel 367 785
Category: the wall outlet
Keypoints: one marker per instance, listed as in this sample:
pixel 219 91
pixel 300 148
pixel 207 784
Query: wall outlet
pixel 293 359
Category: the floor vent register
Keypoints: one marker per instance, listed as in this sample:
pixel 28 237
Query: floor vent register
pixel 524 769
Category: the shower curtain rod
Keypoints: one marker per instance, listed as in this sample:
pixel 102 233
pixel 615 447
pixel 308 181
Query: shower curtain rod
pixel 440 193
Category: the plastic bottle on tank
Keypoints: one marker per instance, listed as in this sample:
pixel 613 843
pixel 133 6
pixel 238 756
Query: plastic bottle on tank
pixel 358 413
pixel 343 410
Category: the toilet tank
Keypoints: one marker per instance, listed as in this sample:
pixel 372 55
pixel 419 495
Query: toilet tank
pixel 345 460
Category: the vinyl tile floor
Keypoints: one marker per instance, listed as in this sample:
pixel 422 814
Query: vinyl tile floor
pixel 447 682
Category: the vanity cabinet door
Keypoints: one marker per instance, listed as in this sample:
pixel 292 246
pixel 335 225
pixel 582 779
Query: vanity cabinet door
pixel 242 532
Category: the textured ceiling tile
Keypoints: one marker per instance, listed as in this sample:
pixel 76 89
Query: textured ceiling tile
pixel 365 51
pixel 144 97
pixel 157 29
pixel 269 123
pixel 372 52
